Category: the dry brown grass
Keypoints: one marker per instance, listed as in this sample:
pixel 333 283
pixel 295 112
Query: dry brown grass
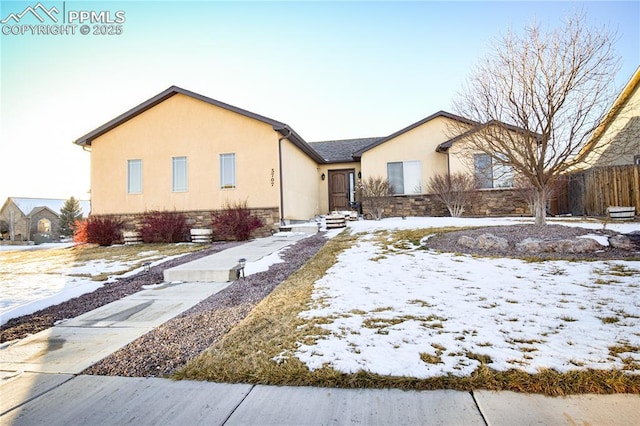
pixel 252 351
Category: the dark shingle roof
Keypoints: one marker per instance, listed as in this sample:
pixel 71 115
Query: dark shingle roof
pixel 341 151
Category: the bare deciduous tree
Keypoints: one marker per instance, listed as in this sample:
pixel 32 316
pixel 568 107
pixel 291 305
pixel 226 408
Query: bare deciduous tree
pixel 524 190
pixel 456 191
pixel 372 193
pixel 552 88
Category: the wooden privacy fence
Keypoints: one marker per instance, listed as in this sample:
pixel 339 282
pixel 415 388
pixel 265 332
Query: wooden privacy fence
pixel 590 192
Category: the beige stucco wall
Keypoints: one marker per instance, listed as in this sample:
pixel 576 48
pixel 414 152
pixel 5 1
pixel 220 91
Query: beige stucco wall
pixel 300 177
pixel 324 184
pixel 419 143
pixel 184 126
pixel 620 142
pixel 461 158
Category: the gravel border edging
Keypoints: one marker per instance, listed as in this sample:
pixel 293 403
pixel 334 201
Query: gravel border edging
pixel 171 345
pixel 21 327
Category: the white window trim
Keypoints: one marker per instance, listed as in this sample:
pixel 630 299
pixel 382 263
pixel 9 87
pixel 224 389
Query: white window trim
pixel 174 187
pixel 222 184
pixel 129 175
pixel 417 185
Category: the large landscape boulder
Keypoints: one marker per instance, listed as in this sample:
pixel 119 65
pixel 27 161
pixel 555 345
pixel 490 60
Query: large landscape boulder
pixel 575 245
pixel 529 245
pixel 491 242
pixel 467 241
pixel 621 242
pixel 484 242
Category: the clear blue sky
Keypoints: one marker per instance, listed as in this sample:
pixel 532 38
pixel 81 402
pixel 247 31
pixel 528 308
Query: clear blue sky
pixel 331 70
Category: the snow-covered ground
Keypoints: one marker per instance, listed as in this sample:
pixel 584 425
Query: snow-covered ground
pixel 30 286
pixel 422 314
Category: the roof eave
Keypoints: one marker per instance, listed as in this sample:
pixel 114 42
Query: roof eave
pixel 290 134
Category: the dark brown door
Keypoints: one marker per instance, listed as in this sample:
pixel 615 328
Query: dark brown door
pixel 339 189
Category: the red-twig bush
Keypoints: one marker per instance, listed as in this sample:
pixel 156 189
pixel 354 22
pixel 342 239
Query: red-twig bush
pixel 80 232
pixel 234 222
pixel 164 227
pixel 104 231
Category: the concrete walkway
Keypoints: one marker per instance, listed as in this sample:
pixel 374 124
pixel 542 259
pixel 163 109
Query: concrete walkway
pixel 220 267
pixel 40 383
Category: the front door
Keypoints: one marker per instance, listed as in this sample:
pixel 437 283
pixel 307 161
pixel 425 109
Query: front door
pixel 340 189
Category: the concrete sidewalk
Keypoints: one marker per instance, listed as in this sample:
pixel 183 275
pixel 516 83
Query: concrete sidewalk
pixel 96 400
pixel 40 381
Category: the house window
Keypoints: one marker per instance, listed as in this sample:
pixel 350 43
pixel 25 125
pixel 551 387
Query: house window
pixel 636 160
pixel 134 176
pixel 405 177
pixel 491 173
pixel 179 174
pixel 227 171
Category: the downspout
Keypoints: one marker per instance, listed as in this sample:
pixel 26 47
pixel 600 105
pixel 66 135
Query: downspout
pixel 281 176
pixel 87 148
pixel 448 165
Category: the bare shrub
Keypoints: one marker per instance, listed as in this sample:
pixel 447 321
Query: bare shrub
pixel 373 193
pixel 456 191
pixel 104 231
pixel 235 222
pixel 80 232
pixel 164 227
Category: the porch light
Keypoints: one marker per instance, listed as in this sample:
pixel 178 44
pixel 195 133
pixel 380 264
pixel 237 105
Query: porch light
pixel 240 268
pixel 323 176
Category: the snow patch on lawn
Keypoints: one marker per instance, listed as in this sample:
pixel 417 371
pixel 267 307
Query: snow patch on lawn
pixel 29 287
pixel 423 314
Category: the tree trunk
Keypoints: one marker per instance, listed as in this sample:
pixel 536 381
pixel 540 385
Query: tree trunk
pixel 540 207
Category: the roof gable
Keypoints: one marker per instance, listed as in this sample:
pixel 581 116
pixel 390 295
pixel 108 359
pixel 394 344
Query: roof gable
pixel 618 105
pixel 285 131
pixel 413 126
pixel 41 209
pixel 161 97
pixel 444 146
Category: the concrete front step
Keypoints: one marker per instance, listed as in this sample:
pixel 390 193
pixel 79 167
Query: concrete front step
pixel 221 267
pixel 303 228
pixel 221 275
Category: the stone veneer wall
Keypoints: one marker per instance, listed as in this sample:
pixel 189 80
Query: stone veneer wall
pixel 202 219
pixel 497 202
